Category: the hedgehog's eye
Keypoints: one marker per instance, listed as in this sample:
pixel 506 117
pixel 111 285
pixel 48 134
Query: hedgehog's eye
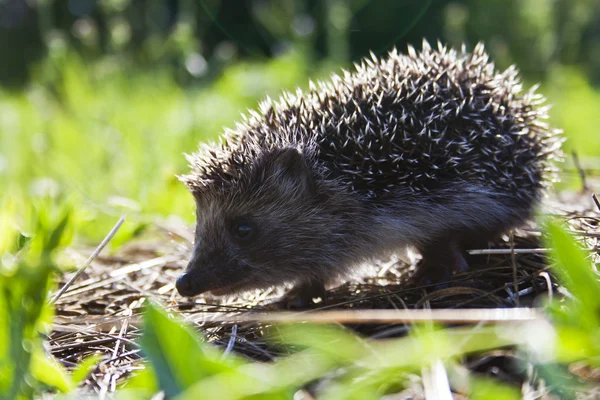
pixel 243 231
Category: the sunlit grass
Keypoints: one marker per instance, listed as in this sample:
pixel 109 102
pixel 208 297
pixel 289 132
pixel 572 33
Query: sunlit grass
pixel 575 104
pixel 113 140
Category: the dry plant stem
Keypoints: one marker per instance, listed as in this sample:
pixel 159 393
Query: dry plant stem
pixel 507 251
pixel 122 334
pixel 435 381
pixel 586 234
pixel 377 316
pixel 100 247
pixel 546 277
pixel 595 198
pixel 514 266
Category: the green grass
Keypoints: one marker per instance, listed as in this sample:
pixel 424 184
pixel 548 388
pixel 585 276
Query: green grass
pixel 575 105
pixel 112 141
pixel 26 266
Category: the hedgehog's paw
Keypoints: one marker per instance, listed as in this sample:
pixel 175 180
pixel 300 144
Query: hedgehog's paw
pixel 440 261
pixel 302 296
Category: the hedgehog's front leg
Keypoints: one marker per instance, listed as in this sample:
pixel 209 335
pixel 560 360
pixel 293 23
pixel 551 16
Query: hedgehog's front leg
pixel 301 296
pixel 441 258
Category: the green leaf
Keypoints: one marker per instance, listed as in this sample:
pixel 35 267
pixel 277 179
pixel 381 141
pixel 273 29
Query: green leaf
pixel 145 379
pixel 577 275
pixel 142 385
pixel 84 368
pixel 575 343
pixel 177 355
pixel 58 233
pixel 361 384
pixel 48 371
pixel 560 381
pixel 334 341
pixel 24 285
pixel 6 366
pixel 22 241
pixel 486 388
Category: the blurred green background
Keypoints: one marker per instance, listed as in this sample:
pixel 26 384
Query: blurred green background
pixel 100 98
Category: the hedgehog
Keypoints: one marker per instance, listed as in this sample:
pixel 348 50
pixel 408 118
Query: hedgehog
pixel 433 150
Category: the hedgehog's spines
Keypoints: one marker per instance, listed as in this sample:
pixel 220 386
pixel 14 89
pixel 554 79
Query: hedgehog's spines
pixel 442 106
pixel 425 47
pixel 412 53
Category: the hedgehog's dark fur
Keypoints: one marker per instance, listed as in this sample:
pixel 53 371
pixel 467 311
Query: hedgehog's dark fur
pixel 432 145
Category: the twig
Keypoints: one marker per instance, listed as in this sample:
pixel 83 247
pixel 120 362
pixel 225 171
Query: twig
pixel 378 316
pixel 231 342
pixel 595 198
pixel 435 381
pixel 546 276
pixel 508 251
pixel 120 356
pixel 100 247
pixel 513 261
pixel 122 332
pixel 586 234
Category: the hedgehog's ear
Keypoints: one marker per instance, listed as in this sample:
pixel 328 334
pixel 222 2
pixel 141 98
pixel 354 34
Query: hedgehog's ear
pixel 288 167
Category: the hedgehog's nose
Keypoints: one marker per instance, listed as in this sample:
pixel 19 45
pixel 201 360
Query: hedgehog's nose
pixel 184 285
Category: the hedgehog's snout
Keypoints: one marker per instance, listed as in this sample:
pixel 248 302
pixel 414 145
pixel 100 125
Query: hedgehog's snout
pixel 185 285
pixel 196 279
pixel 192 283
pixel 210 273
pixel 188 283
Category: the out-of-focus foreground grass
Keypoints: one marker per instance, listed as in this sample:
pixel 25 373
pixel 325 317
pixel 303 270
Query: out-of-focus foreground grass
pixel 110 139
